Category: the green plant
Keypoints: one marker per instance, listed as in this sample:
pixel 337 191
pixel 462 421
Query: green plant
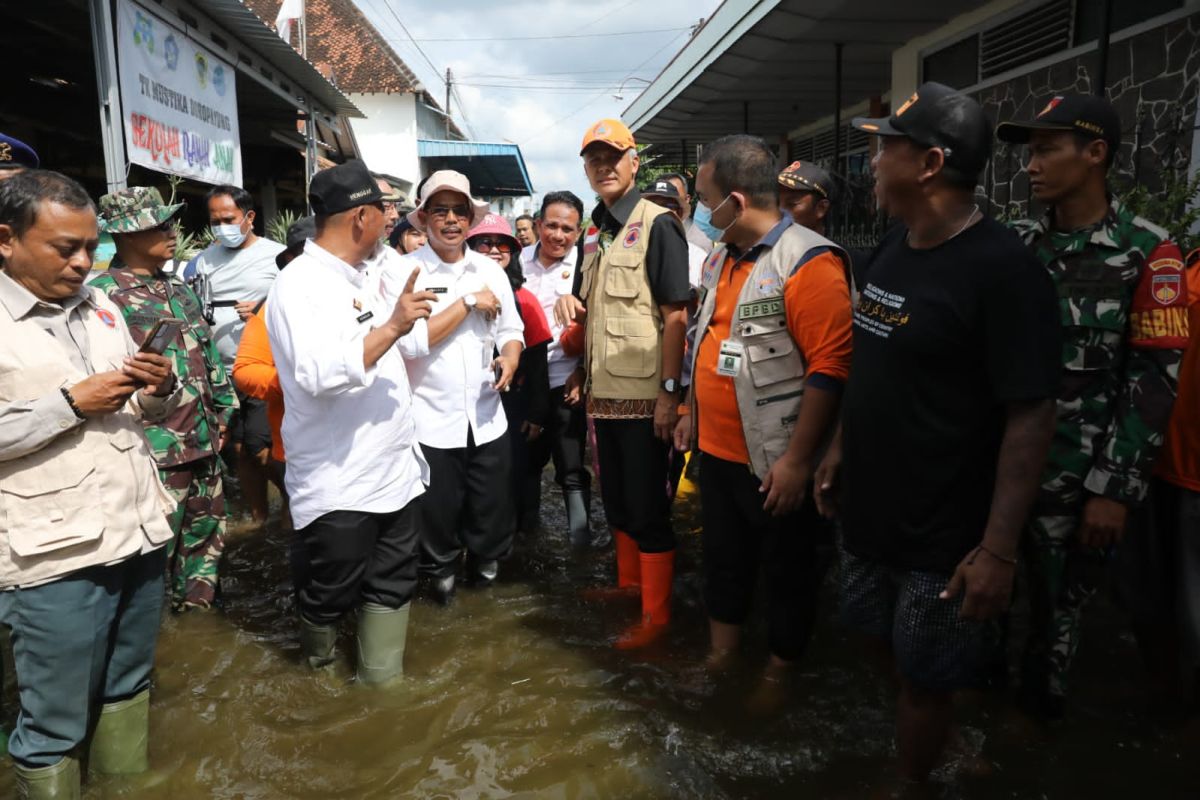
pixel 189 244
pixel 277 226
pixel 1175 206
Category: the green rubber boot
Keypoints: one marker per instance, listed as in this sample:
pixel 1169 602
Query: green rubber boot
pixel 57 782
pixel 316 643
pixel 382 633
pixel 121 740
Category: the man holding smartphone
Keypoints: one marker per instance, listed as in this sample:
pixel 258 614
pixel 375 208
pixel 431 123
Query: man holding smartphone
pixel 185 444
pixel 457 379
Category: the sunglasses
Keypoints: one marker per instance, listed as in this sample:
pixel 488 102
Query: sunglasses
pixel 484 244
pixel 163 227
pixel 441 212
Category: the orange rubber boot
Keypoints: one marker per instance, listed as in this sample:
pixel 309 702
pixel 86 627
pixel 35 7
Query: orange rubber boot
pixel 629 572
pixel 658 571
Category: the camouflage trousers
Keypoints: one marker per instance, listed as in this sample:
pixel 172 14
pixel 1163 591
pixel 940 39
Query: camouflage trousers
pixel 198 522
pixel 1063 577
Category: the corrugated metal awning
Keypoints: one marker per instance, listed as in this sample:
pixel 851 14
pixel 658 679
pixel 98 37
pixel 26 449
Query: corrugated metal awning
pixel 766 67
pixel 264 44
pixel 494 169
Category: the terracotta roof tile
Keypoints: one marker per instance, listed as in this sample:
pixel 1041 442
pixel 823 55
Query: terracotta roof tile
pixel 346 47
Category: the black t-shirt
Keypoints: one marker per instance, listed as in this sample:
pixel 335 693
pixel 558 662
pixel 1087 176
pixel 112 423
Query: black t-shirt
pixel 666 250
pixel 943 339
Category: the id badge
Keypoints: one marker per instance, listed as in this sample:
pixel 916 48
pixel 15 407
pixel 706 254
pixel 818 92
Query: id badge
pixel 729 359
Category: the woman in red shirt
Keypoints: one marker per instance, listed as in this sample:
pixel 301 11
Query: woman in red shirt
pixel 526 405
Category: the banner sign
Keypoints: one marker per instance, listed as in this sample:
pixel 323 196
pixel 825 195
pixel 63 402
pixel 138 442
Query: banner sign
pixel 180 101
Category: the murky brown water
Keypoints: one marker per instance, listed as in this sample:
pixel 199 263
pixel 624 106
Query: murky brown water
pixel 514 692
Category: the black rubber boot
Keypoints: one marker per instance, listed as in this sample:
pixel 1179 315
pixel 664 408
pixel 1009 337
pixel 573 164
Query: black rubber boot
pixel 578 529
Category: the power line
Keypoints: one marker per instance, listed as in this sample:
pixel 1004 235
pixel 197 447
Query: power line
pixel 548 38
pixel 598 95
pixel 541 74
pixel 387 4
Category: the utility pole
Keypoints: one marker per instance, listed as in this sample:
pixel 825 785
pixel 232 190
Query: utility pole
pixel 449 85
pixel 310 125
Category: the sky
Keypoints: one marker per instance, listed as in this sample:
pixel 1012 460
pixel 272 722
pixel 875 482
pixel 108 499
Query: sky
pixel 541 94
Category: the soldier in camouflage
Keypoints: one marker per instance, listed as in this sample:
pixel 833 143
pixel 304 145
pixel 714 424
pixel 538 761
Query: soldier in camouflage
pixel 1121 291
pixel 186 444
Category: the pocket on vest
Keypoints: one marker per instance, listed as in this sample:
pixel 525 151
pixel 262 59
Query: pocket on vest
pixel 631 347
pixel 772 358
pixel 624 276
pixel 49 509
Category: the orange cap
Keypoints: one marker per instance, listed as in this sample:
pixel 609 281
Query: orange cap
pixel 610 131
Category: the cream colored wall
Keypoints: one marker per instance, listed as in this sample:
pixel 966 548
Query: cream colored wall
pixel 906 61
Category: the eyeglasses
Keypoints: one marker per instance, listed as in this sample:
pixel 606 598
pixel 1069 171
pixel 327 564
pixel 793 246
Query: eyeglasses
pixel 441 212
pixel 484 244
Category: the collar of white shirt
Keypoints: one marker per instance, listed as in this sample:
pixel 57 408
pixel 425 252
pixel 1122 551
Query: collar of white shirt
pixel 354 274
pixel 529 257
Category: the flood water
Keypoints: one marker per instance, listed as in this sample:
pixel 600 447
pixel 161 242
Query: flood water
pixel 515 692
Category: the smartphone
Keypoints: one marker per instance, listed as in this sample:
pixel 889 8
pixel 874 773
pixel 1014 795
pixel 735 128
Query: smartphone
pixel 161 335
pixel 498 371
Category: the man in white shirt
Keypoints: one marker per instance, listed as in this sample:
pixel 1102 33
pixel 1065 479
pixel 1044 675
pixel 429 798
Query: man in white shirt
pixel 457 380
pixel 233 275
pixel 355 473
pixel 549 267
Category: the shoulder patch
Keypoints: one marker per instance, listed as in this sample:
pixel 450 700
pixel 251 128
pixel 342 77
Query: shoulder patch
pixel 1158 317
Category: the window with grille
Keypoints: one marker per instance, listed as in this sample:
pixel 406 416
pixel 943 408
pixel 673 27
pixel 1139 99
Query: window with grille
pixel 1044 30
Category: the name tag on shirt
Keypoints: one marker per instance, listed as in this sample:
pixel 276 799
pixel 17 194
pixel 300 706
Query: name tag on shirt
pixel 364 317
pixel 437 289
pixel 761 308
pixel 729 359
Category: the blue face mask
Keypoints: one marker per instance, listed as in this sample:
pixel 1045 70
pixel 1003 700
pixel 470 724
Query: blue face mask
pixel 703 220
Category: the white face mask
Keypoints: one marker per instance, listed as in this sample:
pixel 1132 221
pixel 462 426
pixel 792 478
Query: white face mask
pixel 230 236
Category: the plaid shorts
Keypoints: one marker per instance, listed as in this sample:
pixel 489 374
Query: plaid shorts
pixel 934 649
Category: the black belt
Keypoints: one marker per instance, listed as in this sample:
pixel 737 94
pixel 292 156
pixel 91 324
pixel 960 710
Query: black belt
pixel 224 303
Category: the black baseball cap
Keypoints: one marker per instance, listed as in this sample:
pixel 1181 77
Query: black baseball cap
pixel 662 188
pixel 939 116
pixel 342 188
pixel 806 177
pixel 298 233
pixel 1087 114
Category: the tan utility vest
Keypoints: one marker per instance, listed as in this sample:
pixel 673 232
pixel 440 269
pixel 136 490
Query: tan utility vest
pixel 92 495
pixel 769 384
pixel 623 350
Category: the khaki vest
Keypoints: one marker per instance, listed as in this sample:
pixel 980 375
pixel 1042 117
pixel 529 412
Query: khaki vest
pixel 770 382
pixel 623 350
pixel 91 496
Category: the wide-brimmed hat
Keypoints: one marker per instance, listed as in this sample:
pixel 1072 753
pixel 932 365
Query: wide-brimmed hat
pixel 137 208
pixel 447 180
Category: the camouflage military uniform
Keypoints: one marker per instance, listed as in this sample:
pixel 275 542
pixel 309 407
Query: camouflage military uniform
pixel 1123 304
pixel 186 444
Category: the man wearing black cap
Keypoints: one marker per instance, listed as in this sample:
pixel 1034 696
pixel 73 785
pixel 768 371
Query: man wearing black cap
pixel 1123 301
pixel 948 413
pixel 805 194
pixel 355 472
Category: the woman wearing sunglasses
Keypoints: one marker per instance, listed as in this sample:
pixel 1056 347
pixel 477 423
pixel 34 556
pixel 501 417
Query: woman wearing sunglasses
pixel 526 404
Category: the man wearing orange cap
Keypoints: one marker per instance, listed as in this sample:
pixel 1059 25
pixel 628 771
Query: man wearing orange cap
pixel 633 289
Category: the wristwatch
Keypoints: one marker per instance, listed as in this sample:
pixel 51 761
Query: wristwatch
pixel 469 301
pixel 670 386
